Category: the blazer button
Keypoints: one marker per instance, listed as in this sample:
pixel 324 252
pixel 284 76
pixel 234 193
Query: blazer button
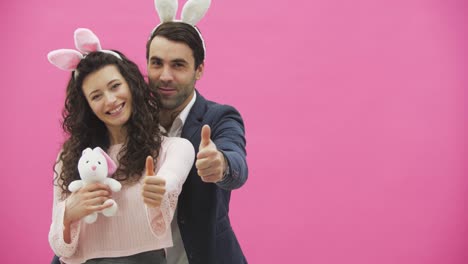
pixel 181 221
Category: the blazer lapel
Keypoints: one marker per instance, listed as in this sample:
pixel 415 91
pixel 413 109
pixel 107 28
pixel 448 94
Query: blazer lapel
pixel 195 118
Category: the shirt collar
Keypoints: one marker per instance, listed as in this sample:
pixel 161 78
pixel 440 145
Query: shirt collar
pixel 179 121
pixel 184 114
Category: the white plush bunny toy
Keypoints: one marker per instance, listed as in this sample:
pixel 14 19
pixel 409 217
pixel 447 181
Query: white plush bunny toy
pixel 95 166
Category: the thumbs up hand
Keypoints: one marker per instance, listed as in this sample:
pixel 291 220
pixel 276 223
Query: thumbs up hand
pixel 154 186
pixel 210 162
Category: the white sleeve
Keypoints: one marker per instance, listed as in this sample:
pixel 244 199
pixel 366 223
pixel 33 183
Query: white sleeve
pixel 179 158
pixel 56 241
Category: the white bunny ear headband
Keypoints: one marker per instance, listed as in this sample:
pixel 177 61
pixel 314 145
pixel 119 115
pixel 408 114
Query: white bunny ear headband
pixel 86 42
pixel 192 12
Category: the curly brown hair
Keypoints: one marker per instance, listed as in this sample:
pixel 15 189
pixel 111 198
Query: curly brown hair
pixel 86 130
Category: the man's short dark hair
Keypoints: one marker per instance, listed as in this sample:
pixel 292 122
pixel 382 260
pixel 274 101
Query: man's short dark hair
pixel 180 32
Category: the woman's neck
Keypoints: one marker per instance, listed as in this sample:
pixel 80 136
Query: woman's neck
pixel 117 135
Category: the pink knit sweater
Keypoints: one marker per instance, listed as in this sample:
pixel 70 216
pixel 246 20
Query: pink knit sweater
pixel 135 228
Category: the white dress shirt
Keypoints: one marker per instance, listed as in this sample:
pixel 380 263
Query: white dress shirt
pixel 176 254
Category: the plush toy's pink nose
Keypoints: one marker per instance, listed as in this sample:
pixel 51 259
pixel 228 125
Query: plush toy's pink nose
pixel 93 167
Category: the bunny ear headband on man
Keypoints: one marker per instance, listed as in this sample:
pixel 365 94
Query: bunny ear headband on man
pixel 86 42
pixel 192 12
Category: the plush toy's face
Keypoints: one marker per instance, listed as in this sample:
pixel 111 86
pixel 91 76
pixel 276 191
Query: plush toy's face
pixel 92 166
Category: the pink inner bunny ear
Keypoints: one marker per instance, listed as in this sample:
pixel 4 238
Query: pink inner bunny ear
pixel 112 167
pixel 65 59
pixel 86 41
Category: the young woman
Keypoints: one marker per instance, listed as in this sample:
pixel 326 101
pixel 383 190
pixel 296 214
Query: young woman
pixel 109 105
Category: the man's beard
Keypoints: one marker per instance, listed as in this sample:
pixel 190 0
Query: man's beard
pixel 182 93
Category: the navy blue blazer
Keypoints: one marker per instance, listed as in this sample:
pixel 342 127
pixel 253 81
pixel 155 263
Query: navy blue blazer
pixel 203 208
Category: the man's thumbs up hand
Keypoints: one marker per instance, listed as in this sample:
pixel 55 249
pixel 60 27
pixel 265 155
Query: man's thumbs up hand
pixel 210 162
pixel 205 137
pixel 154 186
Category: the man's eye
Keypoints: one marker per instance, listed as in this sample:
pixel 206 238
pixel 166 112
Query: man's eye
pixel 156 63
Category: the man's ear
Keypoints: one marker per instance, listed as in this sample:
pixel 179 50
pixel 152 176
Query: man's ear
pixel 199 71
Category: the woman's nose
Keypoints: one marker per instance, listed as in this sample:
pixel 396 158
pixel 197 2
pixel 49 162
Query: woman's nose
pixel 110 98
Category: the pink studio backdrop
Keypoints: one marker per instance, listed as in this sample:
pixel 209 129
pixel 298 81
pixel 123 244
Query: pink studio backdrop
pixel 355 117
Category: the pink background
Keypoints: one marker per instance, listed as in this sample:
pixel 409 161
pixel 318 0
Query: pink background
pixel 355 114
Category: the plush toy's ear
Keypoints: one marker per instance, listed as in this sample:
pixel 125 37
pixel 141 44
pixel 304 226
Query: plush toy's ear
pixel 166 9
pixel 112 167
pixel 86 41
pixel 194 10
pixel 65 59
pixel 86 150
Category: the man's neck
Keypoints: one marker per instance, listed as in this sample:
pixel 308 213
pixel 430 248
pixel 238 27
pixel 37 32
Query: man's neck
pixel 167 117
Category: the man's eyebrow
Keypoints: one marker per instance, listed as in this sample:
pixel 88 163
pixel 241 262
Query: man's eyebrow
pixel 179 61
pixel 155 58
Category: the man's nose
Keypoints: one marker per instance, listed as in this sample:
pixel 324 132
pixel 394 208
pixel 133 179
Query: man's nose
pixel 166 74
